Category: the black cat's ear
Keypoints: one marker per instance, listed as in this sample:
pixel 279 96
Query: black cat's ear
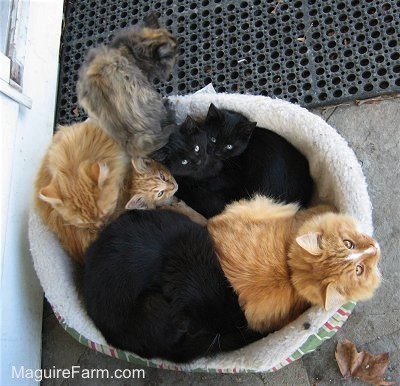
pixel 160 155
pixel 151 20
pixel 248 128
pixel 189 126
pixel 214 114
pixel 136 202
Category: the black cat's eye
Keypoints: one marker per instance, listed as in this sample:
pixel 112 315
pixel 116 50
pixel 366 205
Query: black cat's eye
pixel 213 139
pixel 348 244
pixel 184 162
pixel 196 148
pixel 359 269
pixel 229 147
pixel 160 193
pixel 162 176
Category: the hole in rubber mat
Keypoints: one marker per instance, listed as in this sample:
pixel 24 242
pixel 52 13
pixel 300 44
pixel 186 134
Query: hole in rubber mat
pixel 322 51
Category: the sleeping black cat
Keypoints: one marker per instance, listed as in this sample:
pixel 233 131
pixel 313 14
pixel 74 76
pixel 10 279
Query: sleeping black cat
pixel 153 285
pixel 241 160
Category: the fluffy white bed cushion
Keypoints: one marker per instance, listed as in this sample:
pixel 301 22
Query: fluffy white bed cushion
pixel 339 181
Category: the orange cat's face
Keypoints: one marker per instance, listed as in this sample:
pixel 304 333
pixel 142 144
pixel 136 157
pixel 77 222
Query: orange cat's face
pixel 84 201
pixel 152 185
pixel 332 262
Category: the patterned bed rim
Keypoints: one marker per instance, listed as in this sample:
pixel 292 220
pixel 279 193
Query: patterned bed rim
pixel 327 331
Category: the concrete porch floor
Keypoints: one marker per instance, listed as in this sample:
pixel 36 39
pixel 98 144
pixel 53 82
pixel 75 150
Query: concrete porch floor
pixel 372 130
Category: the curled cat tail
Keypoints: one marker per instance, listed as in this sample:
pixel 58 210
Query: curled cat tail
pixel 179 206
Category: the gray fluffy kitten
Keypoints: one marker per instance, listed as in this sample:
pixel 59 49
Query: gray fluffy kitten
pixel 115 86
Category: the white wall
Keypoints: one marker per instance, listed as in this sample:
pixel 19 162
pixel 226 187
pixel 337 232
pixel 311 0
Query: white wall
pixel 23 144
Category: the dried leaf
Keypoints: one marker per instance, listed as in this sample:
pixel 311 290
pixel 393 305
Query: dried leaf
pixel 276 7
pixel 75 111
pixel 363 365
pixel 344 354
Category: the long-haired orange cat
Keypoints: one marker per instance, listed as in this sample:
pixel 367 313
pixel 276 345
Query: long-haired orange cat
pixel 80 185
pixel 280 260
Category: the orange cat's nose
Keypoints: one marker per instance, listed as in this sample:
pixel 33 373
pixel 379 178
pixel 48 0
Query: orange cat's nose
pixel 373 249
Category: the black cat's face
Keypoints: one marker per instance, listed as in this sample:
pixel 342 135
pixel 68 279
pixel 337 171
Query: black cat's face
pixel 228 132
pixel 191 157
pixel 186 151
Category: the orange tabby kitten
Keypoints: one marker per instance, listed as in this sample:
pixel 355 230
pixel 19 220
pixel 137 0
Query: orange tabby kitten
pixel 153 186
pixel 280 260
pixel 79 186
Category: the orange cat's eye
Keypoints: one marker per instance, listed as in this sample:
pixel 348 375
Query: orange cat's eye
pixel 160 193
pixel 349 244
pixel 319 241
pixel 359 269
pixel 162 176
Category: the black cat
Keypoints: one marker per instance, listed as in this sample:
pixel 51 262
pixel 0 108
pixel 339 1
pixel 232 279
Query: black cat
pixel 187 157
pixel 241 160
pixel 258 160
pixel 201 183
pixel 153 285
pixel 185 154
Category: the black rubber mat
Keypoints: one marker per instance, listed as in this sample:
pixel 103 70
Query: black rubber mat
pixel 311 52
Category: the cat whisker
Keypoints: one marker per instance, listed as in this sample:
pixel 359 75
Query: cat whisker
pixel 211 345
pixel 379 274
pixel 248 194
pixel 235 163
pixel 241 333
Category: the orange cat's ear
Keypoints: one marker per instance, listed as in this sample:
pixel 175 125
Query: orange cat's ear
pixel 50 195
pixel 309 242
pixel 136 202
pixel 140 164
pixel 333 298
pixel 99 172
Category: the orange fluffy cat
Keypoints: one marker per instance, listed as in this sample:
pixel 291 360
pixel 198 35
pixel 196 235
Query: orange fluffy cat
pixel 280 260
pixel 79 186
pixel 85 180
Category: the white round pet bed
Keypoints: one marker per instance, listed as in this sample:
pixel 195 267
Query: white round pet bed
pixel 339 180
